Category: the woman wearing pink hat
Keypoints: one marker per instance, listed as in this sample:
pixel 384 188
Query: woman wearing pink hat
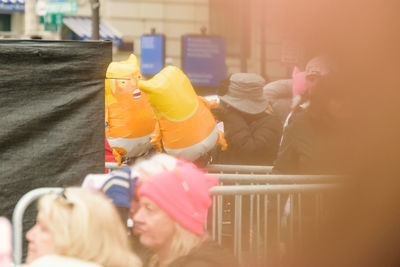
pixel 172 216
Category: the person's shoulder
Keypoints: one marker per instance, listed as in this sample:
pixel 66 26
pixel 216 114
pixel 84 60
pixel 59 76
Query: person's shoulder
pixel 208 254
pixel 61 261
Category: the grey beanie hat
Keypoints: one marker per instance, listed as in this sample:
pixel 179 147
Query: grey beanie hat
pixel 245 93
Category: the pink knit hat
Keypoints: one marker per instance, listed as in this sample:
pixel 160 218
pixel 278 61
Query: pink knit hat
pixel 182 193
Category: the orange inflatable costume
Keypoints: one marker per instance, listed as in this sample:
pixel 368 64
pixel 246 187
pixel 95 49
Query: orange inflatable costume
pixel 129 117
pixel 185 124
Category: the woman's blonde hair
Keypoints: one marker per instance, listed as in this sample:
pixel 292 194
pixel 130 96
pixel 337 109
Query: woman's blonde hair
pixel 85 225
pixel 183 242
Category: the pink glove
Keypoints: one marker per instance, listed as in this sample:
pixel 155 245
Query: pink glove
pixel 299 82
pixel 5 243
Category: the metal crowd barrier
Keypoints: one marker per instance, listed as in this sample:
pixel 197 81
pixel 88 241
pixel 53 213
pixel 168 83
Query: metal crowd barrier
pixel 257 189
pixel 257 211
pixel 274 179
pixel 18 215
pixel 113 165
pixel 257 218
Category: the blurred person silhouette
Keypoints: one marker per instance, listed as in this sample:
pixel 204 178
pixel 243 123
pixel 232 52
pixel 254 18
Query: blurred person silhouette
pixel 312 127
pixel 121 186
pixel 361 38
pixel 252 130
pixel 173 213
pixel 78 228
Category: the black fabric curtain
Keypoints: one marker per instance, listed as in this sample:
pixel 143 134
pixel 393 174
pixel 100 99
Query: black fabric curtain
pixel 51 115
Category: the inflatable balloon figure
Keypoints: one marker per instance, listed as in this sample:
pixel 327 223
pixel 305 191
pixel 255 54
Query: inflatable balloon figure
pixel 129 117
pixel 185 126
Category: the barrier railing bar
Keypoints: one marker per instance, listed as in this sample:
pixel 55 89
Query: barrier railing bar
pixel 240 197
pixel 253 174
pixel 214 214
pixel 251 228
pixel 266 226
pixel 238 168
pixel 258 232
pixel 300 215
pixel 318 213
pixel 17 218
pixel 278 217
pixel 219 218
pixel 291 220
pixel 235 229
pixel 276 179
pixel 263 189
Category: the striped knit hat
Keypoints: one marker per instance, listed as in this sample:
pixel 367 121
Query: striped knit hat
pixel 120 187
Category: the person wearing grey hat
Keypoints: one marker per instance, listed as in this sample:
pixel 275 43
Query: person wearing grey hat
pixel 251 129
pixel 244 93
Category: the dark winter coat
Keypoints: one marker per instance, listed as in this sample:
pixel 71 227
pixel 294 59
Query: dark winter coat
pixel 252 139
pixel 209 254
pixel 308 146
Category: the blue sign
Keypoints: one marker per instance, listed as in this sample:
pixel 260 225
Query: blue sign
pixel 152 56
pixel 12 5
pixel 204 59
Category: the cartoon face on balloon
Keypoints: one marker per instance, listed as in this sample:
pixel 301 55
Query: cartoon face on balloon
pixel 126 89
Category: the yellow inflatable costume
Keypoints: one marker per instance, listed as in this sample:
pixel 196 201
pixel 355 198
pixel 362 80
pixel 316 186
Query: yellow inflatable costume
pixel 129 117
pixel 185 124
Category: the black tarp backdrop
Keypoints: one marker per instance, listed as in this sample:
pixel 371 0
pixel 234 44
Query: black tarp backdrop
pixel 51 115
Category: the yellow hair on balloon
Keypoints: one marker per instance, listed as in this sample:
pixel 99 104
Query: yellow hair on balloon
pixel 129 117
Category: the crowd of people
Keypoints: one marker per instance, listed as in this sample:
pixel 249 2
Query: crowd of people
pixel 282 123
pixel 167 199
pixel 289 124
pixel 304 123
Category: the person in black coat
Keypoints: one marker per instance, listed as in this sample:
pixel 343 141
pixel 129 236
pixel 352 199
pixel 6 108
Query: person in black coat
pixel 314 131
pixel 251 129
pixel 314 135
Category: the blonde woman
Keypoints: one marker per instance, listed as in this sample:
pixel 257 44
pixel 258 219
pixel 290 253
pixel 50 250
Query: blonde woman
pixel 78 228
pixel 173 202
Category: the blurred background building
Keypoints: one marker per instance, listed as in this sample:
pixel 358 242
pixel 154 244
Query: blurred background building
pixel 253 42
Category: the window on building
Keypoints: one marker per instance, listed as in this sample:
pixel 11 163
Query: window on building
pixel 226 20
pixel 5 22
